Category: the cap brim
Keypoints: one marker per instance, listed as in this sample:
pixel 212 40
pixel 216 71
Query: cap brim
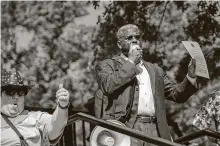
pixel 28 87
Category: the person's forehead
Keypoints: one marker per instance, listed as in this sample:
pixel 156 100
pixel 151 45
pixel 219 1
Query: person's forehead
pixel 131 31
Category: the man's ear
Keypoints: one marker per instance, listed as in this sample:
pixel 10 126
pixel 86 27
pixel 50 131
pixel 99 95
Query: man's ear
pixel 119 44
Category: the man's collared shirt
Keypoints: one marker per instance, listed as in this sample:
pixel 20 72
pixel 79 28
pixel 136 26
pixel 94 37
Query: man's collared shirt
pixel 146 101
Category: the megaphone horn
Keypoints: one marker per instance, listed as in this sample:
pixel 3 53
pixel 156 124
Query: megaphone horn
pixel 104 137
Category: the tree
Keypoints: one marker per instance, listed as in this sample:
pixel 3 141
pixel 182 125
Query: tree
pixel 42 40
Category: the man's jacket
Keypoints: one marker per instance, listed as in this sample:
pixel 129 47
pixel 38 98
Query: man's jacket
pixel 116 77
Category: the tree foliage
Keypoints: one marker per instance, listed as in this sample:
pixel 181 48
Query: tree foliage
pixel 42 40
pixel 164 26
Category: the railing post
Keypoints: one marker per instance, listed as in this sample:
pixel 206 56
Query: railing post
pixel 68 140
pixel 73 125
pixel 68 132
pixel 84 133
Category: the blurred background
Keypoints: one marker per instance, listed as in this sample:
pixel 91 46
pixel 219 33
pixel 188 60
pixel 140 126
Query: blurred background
pixel 57 42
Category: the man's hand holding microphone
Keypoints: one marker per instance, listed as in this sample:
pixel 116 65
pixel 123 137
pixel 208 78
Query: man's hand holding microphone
pixel 135 53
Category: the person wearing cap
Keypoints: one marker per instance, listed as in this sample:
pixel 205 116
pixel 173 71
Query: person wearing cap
pixel 36 128
pixel 209 113
pixel 132 90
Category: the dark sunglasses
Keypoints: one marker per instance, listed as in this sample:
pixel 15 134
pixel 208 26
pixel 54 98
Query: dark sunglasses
pixel 130 37
pixel 12 92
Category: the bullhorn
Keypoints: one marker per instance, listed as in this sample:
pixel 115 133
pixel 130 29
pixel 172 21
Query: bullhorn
pixel 104 137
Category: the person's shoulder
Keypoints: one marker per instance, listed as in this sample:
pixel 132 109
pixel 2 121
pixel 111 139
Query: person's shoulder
pixel 38 114
pixel 113 58
pixel 104 61
pixel 109 61
pixel 154 66
pixel 151 64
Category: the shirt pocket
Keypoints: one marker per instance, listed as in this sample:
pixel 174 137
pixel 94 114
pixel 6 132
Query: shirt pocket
pixel 30 129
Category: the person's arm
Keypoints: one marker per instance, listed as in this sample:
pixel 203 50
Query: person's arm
pixel 110 79
pixel 193 81
pixel 181 92
pixel 58 123
pixel 60 115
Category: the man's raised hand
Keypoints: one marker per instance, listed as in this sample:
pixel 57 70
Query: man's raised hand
pixel 135 54
pixel 192 68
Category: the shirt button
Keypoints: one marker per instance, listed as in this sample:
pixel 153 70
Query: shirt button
pixel 137 88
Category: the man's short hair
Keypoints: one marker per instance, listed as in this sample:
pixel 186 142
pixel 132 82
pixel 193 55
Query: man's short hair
pixel 124 28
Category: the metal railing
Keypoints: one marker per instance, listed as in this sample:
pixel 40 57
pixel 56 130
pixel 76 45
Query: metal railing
pixel 198 134
pixel 120 129
pixel 69 137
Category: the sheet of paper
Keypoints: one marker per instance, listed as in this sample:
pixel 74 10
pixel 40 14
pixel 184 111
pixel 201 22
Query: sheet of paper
pixel 195 52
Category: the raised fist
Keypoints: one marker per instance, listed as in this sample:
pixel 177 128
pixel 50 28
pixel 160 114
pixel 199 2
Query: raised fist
pixel 62 96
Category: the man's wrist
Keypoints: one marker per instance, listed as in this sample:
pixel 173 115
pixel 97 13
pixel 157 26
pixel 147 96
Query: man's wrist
pixel 63 107
pixel 188 76
pixel 192 80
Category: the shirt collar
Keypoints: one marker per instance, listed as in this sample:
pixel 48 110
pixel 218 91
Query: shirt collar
pixel 141 63
pixel 124 57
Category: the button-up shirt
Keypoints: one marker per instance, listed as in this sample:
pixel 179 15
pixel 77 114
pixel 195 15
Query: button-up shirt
pixel 146 100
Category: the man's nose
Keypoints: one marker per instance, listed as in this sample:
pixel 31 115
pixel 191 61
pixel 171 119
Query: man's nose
pixel 134 40
pixel 16 96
